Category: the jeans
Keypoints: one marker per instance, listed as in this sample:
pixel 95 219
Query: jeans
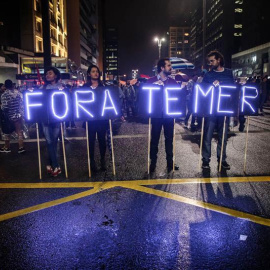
pixel 155 135
pixel 51 133
pixel 210 124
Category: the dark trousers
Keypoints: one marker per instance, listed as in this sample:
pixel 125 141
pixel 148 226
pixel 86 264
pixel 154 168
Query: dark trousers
pixel 210 124
pixel 99 128
pixel 155 135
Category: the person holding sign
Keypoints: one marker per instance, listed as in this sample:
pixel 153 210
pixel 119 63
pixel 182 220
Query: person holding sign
pixel 164 68
pixel 218 75
pixel 51 130
pixel 98 127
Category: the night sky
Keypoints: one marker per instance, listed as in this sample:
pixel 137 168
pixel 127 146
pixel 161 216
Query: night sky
pixel 138 22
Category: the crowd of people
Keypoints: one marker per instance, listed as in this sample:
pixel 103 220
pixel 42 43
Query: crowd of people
pixel 12 113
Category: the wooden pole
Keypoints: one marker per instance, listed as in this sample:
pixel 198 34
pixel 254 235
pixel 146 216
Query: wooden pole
pixel 149 141
pixel 110 121
pixel 88 153
pixel 202 131
pixel 38 145
pixel 64 150
pixel 245 157
pixel 222 144
pixel 173 144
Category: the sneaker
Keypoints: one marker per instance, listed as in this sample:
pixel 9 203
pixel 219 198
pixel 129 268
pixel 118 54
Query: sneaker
pixel 49 169
pixel 5 150
pixel 56 171
pixel 205 165
pixel 21 150
pixel 225 165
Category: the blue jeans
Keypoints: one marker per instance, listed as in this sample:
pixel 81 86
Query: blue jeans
pixel 210 124
pixel 51 133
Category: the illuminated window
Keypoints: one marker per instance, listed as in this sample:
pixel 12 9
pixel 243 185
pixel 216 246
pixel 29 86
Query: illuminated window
pixel 185 41
pixel 237 34
pixel 238 10
pixel 238 26
pixel 240 2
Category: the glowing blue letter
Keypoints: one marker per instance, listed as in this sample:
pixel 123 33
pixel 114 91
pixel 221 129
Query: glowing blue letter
pixel 221 95
pixel 33 104
pixel 108 95
pixel 79 102
pixel 172 99
pixel 66 103
pixel 197 89
pixel 150 88
pixel 244 97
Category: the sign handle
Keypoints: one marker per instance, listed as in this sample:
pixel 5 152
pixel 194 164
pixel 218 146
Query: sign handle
pixel 202 131
pixel 88 153
pixel 222 145
pixel 173 144
pixel 149 141
pixel 245 157
pixel 64 150
pixel 38 145
pixel 110 121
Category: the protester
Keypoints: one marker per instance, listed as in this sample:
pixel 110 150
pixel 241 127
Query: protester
pixel 217 75
pixel 121 98
pixel 12 113
pixel 98 127
pixel 52 130
pixel 164 69
pixel 263 92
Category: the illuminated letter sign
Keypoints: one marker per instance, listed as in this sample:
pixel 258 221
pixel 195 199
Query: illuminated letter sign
pixel 249 100
pixel 203 105
pixel 228 100
pixel 82 97
pixel 107 96
pixel 150 101
pixel 32 116
pixel 53 104
pixel 175 104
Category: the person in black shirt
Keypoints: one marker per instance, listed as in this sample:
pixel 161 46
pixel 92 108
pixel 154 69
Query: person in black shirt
pixel 98 127
pixel 217 75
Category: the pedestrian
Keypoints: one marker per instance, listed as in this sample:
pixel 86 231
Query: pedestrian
pixel 12 114
pixel 129 93
pixel 98 127
pixel 164 68
pixel 263 92
pixel 190 87
pixel 218 75
pixel 52 130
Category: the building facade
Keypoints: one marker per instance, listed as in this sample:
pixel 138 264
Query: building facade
pixel 179 43
pixel 85 31
pixel 111 59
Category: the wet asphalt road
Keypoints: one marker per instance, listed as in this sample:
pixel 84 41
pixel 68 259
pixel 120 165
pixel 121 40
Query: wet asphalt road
pixel 187 220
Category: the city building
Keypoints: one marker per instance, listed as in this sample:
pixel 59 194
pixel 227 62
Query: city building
pixel 85 45
pixel 111 59
pixel 179 45
pixel 231 26
pixel 223 29
pixel 21 34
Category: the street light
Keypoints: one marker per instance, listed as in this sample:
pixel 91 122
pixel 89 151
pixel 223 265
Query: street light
pixel 159 42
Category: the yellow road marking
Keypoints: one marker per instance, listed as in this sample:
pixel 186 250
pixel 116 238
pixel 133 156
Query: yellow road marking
pixel 139 186
pixel 205 205
pixel 54 202
pixel 139 182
